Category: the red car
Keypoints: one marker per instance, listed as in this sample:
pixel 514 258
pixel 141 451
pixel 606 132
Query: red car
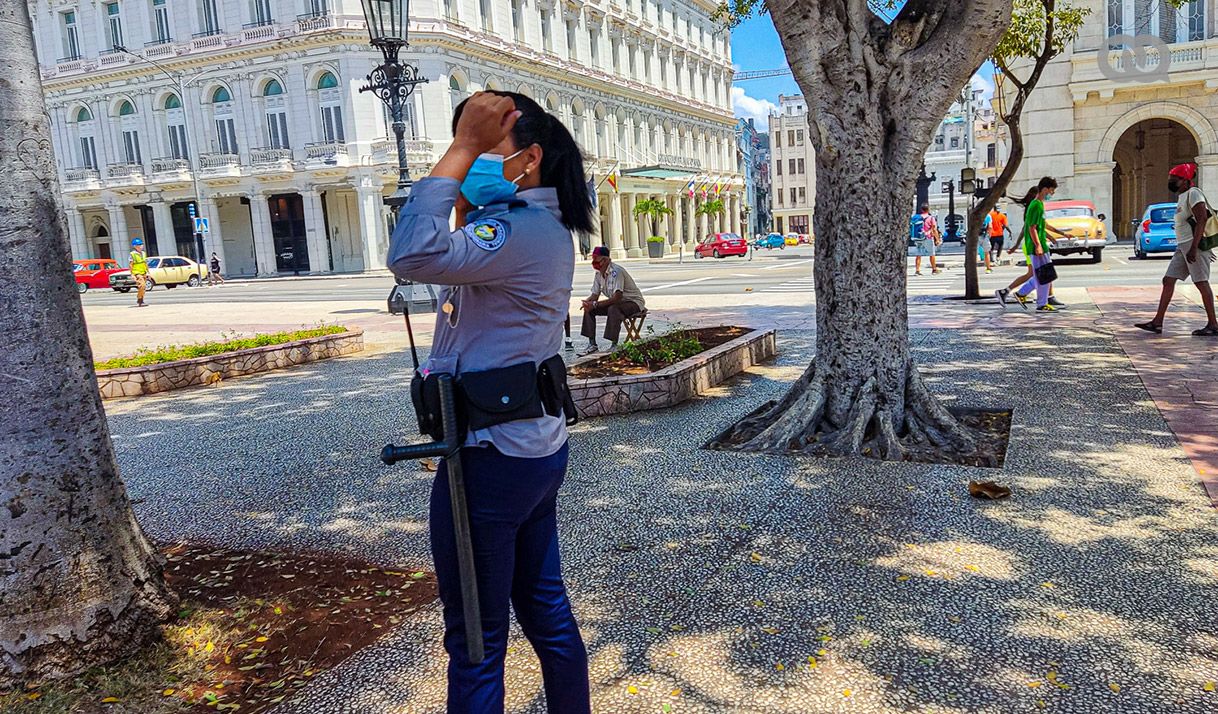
pixel 721 245
pixel 94 273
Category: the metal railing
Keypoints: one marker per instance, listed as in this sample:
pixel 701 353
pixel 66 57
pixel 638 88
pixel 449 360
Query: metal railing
pixel 158 41
pixel 124 170
pixel 207 33
pixel 217 160
pixel 81 174
pixel 325 150
pixel 258 23
pixel 169 164
pixel 262 156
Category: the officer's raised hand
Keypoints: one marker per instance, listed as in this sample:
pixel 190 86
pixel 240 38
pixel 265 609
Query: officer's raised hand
pixel 486 120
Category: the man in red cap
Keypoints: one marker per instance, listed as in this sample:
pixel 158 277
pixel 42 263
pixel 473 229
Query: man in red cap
pixel 1192 211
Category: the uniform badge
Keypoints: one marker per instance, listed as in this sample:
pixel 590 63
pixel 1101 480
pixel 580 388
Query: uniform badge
pixel 487 233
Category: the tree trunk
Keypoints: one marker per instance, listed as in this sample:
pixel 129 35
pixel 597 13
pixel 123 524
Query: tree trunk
pixel 875 92
pixel 79 583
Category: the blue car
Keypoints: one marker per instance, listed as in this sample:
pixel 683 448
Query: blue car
pixel 1157 232
pixel 771 241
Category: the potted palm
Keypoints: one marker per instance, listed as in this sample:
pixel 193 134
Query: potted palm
pixel 654 209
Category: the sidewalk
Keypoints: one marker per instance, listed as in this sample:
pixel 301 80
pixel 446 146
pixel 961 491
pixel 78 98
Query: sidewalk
pixel 745 584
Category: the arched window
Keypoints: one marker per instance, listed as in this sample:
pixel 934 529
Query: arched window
pixel 577 122
pixel 226 127
pixel 276 115
pixel 175 125
pixel 330 106
pixel 82 129
pixel 130 127
pixel 456 89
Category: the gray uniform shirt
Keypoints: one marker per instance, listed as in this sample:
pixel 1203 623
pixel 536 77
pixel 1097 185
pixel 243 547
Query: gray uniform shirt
pixel 507 274
pixel 615 279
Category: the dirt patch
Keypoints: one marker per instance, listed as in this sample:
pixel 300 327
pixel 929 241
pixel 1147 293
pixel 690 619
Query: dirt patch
pixel 653 354
pixel 991 428
pixel 252 629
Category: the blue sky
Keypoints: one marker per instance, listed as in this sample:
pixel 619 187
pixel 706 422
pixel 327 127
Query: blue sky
pixel 755 46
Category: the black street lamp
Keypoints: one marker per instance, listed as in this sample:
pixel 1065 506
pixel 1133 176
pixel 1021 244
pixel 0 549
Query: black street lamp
pixel 392 81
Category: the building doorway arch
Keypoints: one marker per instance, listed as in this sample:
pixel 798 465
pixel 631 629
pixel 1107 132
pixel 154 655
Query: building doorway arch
pixel 1143 155
pixel 101 239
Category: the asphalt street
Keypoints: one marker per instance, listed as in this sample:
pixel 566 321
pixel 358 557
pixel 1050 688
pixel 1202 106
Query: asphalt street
pixel 772 271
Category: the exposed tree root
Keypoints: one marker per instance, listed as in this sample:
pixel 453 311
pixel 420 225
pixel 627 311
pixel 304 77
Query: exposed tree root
pixel 800 423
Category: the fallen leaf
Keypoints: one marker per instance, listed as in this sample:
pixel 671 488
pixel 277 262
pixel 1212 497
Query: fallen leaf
pixel 756 557
pixel 675 693
pixel 822 653
pixel 770 630
pixel 1208 686
pixel 1047 584
pixel 902 578
pixel 972 568
pixel 632 689
pixel 1033 684
pixel 758 603
pixel 210 647
pixel 33 695
pixel 1114 687
pixel 168 693
pixel 260 639
pixel 110 700
pixel 846 692
pixel 779 666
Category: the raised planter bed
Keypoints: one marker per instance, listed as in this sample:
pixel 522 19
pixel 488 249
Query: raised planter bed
pixel 150 379
pixel 620 394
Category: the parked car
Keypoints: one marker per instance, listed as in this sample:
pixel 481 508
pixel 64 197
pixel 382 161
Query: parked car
pixel 770 242
pixel 805 239
pixel 168 270
pixel 791 239
pixel 1079 220
pixel 94 273
pixel 721 245
pixel 1157 232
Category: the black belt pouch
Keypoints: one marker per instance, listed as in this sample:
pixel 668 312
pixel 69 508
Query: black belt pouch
pixel 497 396
pixel 555 394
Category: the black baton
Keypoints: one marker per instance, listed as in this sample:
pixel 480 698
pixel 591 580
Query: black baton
pixel 450 449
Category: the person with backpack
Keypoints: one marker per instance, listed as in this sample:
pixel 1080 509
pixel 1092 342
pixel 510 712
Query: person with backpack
pixel 1191 260
pixel 929 239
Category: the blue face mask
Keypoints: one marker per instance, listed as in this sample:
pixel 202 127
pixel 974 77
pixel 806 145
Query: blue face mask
pixel 485 184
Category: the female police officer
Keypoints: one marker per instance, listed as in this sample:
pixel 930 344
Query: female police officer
pixel 515 176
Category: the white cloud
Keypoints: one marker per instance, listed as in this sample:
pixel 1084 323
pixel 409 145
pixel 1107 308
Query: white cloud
pixel 985 84
pixel 748 107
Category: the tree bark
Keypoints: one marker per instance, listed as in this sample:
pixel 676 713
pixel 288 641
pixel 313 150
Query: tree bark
pixel 876 92
pixel 79 583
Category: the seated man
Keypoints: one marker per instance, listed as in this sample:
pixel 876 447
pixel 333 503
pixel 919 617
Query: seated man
pixel 622 299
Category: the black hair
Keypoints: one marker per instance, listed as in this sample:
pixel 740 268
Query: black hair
pixel 562 161
pixel 1046 182
pixel 924 208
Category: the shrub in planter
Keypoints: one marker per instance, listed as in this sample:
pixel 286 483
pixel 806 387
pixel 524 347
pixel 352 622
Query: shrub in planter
pixel 655 247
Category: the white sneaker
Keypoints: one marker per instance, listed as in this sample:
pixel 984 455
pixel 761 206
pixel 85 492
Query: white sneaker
pixel 589 350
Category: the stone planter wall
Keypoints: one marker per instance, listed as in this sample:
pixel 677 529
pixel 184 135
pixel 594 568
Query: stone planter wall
pixel 672 385
pixel 134 381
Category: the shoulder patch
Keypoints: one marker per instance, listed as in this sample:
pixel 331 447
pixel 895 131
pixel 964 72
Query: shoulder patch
pixel 487 233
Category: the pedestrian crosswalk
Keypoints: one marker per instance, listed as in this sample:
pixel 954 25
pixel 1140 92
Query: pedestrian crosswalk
pixel 803 285
pixel 927 283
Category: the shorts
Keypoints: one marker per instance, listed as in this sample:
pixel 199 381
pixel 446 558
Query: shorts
pixel 925 246
pixel 1197 271
pixel 996 244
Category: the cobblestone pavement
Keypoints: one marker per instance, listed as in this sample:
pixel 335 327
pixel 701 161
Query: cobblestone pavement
pixel 718 582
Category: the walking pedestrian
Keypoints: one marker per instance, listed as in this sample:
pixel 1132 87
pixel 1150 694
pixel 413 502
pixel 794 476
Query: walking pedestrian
pixel 983 247
pixel 213 272
pixel 1000 230
pixel 515 178
pixel 1189 261
pixel 139 270
pixel 930 237
pixel 1036 240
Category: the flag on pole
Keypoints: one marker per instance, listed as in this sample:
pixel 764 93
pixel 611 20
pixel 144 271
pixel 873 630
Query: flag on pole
pixel 613 179
pixel 692 185
pixel 718 185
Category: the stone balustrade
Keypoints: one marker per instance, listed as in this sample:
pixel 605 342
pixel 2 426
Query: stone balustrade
pixel 136 381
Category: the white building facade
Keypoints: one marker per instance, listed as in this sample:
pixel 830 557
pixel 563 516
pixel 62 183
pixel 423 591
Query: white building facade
pixel 262 118
pixel 792 167
pixel 1107 132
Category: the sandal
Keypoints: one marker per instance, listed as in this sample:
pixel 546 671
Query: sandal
pixel 1207 331
pixel 1152 327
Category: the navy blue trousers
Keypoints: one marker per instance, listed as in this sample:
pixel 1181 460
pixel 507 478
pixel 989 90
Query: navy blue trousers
pixel 515 535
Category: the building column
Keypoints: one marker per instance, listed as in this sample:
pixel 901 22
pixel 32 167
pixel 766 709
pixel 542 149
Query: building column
pixel 678 231
pixel 633 239
pixel 264 241
pixel 735 214
pixel 213 240
pixel 120 243
pixel 1207 167
pixel 370 197
pixel 614 240
pixel 1093 182
pixel 81 250
pixel 162 218
pixel 315 232
pixel 702 230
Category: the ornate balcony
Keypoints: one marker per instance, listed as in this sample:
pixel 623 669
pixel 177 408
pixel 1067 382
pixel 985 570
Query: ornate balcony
pixel 125 174
pixel 170 169
pixel 219 164
pixel 80 178
pixel 209 39
pixel 327 153
pixel 1183 61
pixel 270 159
pixel 256 31
pixel 317 22
pixel 161 47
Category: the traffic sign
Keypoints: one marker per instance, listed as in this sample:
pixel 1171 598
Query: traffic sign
pixel 201 225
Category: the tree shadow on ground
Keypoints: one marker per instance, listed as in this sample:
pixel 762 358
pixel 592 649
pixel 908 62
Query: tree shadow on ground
pixel 717 575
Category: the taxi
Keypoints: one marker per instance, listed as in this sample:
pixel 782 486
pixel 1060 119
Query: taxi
pixel 168 270
pixel 1079 221
pixel 94 273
